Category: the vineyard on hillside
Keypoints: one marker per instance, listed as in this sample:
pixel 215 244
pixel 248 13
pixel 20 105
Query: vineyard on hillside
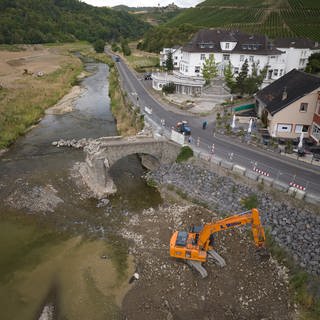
pixel 275 18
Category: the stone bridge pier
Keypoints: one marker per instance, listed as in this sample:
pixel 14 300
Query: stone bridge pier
pixel 102 153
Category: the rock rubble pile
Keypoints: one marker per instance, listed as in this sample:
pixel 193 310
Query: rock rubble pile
pixel 295 229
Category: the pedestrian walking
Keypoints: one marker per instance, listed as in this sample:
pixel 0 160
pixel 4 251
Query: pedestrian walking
pixel 204 124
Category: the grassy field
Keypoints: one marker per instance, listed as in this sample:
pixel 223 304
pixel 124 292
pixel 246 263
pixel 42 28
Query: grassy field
pixel 141 61
pixel 129 121
pixel 24 95
pixel 282 18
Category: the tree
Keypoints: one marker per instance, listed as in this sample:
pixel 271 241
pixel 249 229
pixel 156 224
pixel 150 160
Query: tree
pixel 209 69
pixel 169 88
pixel 240 85
pixel 125 47
pixel 313 65
pixel 228 76
pixel 169 61
pixel 253 82
pixel 99 45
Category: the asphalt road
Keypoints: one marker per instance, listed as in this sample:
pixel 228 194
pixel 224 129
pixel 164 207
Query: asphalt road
pixel 276 166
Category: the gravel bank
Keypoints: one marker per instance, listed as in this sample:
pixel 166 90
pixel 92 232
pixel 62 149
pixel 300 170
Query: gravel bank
pixel 295 229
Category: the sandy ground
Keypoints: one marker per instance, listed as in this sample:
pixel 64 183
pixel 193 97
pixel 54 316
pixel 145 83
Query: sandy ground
pixel 35 59
pixel 66 104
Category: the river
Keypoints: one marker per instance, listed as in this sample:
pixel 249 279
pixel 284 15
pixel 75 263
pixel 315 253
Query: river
pixel 59 248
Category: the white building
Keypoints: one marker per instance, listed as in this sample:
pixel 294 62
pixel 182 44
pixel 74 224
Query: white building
pixel 296 52
pixel 176 56
pixel 236 47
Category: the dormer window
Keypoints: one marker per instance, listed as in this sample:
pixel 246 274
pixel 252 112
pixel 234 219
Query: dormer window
pixel 227 45
pixel 204 45
pixel 244 47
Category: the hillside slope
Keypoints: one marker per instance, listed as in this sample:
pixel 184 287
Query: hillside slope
pixel 40 21
pixel 275 18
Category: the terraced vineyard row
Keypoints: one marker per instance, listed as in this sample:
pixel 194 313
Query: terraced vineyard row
pixel 275 18
pixel 233 3
pixel 299 4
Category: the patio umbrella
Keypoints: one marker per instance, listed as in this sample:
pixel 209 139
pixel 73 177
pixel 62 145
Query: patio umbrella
pixel 233 124
pixel 300 145
pixel 250 126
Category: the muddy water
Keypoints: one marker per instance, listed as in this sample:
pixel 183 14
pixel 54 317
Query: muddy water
pixel 59 247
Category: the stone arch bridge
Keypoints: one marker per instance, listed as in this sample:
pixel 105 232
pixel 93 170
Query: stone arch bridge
pixel 102 153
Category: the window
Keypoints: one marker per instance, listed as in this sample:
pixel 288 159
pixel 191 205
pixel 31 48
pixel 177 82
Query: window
pixel 242 57
pixel 196 69
pixel 236 70
pixel 301 128
pixel 303 107
pixel 315 131
pixel 251 58
pixel 284 127
pixel 302 62
pixel 202 56
pixel 186 69
pixel 227 45
pixel 275 72
pixel 226 57
pixel 281 72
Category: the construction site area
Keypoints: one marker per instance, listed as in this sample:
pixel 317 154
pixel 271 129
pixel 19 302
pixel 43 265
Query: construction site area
pixel 246 288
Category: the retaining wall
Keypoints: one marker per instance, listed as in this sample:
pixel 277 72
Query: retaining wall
pixel 255 176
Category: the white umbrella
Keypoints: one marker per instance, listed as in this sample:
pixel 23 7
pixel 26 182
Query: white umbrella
pixel 250 126
pixel 300 145
pixel 233 124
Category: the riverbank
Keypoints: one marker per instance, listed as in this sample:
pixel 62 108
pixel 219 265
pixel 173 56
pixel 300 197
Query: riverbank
pixel 32 80
pixel 294 228
pixel 246 288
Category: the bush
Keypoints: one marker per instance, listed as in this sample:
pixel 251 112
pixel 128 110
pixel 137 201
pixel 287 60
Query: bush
pixel 99 45
pixel 250 202
pixel 169 88
pixel 185 153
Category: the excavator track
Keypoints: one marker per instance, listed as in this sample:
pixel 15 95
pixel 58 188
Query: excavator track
pixel 214 255
pixel 198 266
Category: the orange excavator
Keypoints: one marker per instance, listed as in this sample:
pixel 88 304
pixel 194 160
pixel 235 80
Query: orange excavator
pixel 196 245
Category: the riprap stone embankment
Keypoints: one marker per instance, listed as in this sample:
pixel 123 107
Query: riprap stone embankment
pixel 295 229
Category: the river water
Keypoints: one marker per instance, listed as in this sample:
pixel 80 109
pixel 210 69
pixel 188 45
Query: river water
pixel 59 247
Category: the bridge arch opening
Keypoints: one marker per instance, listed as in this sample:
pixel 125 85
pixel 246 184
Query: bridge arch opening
pixel 127 174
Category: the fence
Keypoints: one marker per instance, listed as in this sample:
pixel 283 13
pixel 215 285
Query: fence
pixel 209 151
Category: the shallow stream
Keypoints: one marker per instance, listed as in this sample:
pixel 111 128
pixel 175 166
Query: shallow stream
pixel 59 248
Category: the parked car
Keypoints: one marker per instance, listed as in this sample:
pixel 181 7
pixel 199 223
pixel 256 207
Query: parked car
pixel 183 127
pixel 147 76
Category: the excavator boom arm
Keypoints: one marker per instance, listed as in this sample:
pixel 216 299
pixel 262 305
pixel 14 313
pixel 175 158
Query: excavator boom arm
pixel 231 222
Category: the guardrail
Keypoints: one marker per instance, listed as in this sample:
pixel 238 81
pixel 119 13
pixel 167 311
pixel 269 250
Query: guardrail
pixel 258 171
